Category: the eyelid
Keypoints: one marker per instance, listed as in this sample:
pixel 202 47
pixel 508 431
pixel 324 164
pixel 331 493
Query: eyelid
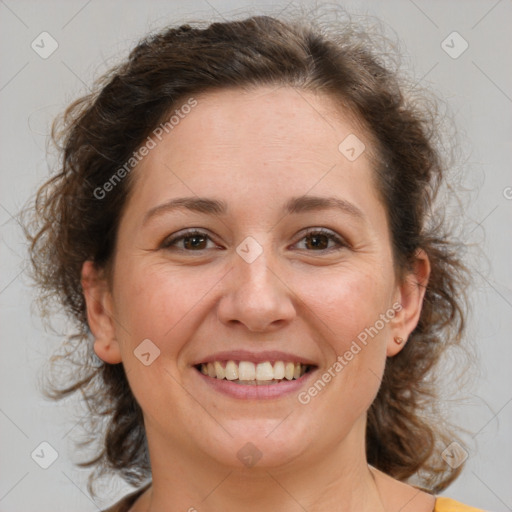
pixel 170 240
pixel 331 234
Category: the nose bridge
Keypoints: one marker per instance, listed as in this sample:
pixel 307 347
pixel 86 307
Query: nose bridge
pixel 257 285
pixel 253 260
pixel 255 296
pixel 257 276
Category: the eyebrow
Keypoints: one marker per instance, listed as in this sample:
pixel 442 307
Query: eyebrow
pixel 195 204
pixel 299 204
pixel 311 203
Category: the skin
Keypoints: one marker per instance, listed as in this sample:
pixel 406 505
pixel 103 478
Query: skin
pixel 255 150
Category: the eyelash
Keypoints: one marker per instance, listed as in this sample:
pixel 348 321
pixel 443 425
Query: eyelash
pixel 169 242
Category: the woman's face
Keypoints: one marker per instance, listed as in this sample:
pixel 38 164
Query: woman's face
pixel 252 236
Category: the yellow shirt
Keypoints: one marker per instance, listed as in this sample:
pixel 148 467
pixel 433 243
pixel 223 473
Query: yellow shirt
pixel 448 505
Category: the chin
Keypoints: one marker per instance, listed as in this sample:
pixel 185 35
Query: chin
pixel 258 444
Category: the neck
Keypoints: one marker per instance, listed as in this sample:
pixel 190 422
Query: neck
pixel 337 479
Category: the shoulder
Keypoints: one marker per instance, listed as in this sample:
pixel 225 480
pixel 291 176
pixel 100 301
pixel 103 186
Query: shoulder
pixel 448 505
pixel 128 501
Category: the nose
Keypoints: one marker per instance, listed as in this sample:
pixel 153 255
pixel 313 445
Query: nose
pixel 256 296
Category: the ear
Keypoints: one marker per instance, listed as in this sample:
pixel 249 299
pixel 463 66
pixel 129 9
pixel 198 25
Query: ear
pixel 98 299
pixel 410 294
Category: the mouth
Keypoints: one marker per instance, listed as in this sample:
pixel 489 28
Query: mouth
pixel 247 373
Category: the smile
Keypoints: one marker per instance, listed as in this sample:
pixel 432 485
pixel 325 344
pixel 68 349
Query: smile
pixel 251 374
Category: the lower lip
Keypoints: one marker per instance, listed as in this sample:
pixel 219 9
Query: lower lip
pixel 255 392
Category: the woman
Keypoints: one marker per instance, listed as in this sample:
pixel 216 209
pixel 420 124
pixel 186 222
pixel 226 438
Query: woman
pixel 242 229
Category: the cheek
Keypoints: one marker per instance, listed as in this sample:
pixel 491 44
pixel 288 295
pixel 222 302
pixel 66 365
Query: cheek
pixel 347 301
pixel 348 308
pixel 158 303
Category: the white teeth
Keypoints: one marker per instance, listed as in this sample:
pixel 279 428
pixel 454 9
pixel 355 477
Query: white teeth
pixel 231 370
pixel 289 370
pixel 264 371
pixel 219 370
pixel 246 372
pixel 279 370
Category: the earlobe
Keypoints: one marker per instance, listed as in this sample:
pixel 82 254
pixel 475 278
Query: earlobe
pixel 98 299
pixel 410 296
pixel 108 352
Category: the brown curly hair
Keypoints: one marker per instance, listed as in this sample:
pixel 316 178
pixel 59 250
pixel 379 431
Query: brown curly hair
pixel 99 132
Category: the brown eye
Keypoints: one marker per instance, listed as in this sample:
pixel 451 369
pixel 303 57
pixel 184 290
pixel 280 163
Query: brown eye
pixel 195 242
pixel 319 240
pixel 189 241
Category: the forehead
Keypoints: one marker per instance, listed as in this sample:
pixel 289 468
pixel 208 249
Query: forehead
pixel 284 121
pixel 276 128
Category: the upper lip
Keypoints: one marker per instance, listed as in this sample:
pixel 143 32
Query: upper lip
pixel 254 357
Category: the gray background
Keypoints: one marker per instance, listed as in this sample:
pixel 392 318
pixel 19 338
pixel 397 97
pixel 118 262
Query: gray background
pixel 94 35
